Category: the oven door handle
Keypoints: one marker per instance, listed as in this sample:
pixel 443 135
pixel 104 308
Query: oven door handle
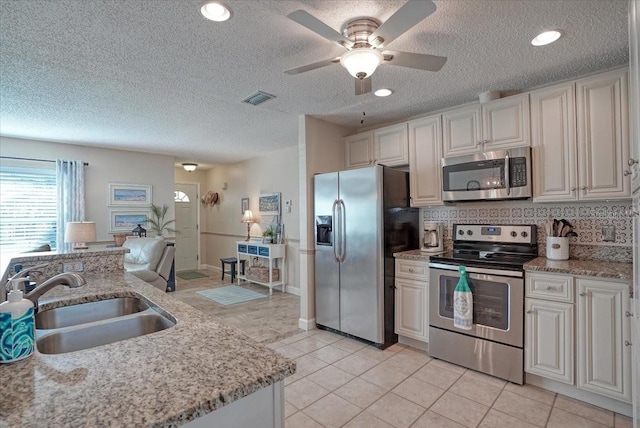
pixel 496 272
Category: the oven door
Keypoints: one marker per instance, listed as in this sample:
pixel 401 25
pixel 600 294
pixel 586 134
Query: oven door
pixel 498 302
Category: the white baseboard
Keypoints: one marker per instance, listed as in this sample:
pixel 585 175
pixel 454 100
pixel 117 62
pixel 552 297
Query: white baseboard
pixel 580 394
pixel 307 324
pixel 293 290
pixel 422 346
pixel 206 266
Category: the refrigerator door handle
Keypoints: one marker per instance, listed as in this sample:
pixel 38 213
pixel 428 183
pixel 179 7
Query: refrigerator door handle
pixel 343 231
pixel 336 235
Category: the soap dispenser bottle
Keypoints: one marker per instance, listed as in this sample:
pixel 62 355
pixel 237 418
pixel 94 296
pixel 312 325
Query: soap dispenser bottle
pixel 17 329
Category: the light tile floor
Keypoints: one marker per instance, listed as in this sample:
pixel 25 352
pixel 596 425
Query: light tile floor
pixel 341 382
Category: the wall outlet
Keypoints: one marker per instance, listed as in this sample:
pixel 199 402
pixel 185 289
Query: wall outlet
pixel 287 206
pixel 73 267
pixel 608 233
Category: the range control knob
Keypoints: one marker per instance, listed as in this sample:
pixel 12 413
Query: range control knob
pixel 514 233
pixel 469 232
pixel 524 234
pixel 460 232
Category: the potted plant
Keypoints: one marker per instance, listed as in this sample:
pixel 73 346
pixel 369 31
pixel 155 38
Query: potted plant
pixel 269 234
pixel 158 224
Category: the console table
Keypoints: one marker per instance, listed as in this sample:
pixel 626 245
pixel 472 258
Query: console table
pixel 247 250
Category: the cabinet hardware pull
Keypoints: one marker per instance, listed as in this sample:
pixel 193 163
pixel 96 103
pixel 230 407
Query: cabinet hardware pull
pixel 627 343
pixel 410 269
pixel 628 314
pixel 530 311
pixel 550 287
pixel 626 173
pixel 583 188
pixel 631 161
pixel 573 189
pixel 584 294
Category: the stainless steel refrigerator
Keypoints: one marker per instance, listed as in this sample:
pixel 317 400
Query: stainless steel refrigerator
pixel 362 217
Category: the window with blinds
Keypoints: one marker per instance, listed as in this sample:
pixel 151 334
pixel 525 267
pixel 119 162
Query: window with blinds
pixel 27 209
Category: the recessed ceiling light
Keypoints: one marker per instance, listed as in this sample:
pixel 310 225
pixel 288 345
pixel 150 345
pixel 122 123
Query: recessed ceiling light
pixel 215 11
pixel 383 92
pixel 546 38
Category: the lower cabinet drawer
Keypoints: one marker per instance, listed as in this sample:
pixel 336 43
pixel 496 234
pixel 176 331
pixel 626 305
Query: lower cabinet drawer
pixel 411 269
pixel 552 287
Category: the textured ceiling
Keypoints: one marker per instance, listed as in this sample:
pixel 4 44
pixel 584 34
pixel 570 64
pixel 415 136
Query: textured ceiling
pixel 154 76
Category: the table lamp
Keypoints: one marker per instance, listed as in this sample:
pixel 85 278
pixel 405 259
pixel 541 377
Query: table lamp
pixel 80 232
pixel 247 217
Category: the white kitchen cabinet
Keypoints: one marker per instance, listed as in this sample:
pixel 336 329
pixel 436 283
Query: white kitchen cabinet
pixel 461 131
pixel 359 150
pixel 425 153
pixel 495 125
pixel 412 294
pixel 390 145
pixel 603 136
pixel 603 338
pixel 553 144
pixel 549 340
pixel 505 123
pixel 386 146
pixel 634 94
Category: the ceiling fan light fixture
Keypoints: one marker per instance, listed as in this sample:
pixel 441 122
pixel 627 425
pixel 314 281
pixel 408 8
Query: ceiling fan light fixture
pixel 546 37
pixel 189 167
pixel 383 92
pixel 361 62
pixel 215 11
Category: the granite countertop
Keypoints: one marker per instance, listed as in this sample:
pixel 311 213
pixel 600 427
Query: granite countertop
pixel 596 268
pixel 418 255
pixel 162 379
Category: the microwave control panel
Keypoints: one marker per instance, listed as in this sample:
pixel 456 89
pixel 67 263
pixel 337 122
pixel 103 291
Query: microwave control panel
pixel 518 172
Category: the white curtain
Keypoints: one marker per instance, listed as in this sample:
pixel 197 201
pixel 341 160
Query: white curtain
pixel 70 182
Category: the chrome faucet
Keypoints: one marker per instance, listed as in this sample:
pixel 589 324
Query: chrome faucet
pixel 24 272
pixel 70 279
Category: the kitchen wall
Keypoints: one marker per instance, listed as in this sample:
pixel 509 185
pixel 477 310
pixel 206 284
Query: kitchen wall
pixel 105 166
pixel 588 218
pixel 220 226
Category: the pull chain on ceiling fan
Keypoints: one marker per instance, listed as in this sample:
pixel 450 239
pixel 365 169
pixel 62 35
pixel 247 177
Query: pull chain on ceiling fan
pixel 364 38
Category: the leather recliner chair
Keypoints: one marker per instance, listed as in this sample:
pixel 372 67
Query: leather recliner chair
pixel 149 259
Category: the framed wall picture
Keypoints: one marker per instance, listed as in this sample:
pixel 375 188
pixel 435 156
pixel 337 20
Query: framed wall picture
pixel 244 205
pixel 269 204
pixel 127 220
pixel 130 194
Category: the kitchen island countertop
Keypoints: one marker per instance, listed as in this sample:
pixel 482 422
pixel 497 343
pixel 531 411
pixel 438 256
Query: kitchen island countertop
pixel 162 379
pixel 597 268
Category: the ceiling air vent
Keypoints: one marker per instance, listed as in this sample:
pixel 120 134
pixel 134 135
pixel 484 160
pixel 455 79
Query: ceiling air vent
pixel 258 98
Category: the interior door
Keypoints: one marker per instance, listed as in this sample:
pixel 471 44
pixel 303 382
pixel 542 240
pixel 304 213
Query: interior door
pixel 187 245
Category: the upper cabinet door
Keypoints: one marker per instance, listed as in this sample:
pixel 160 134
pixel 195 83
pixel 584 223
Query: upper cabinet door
pixel 553 141
pixel 359 150
pixel 505 123
pixel 391 147
pixel 634 94
pixel 425 153
pixel 603 136
pixel 461 131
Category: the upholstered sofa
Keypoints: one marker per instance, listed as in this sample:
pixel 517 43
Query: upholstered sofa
pixel 149 259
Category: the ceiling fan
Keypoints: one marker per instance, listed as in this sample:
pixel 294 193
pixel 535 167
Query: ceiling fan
pixel 365 40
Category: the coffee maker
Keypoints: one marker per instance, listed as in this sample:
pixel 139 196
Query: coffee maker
pixel 432 240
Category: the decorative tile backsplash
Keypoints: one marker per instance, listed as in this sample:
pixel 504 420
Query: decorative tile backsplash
pixel 587 219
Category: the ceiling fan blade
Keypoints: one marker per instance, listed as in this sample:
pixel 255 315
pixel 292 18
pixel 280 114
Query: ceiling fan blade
pixel 314 24
pixel 406 17
pixel 313 66
pixel 363 86
pixel 415 60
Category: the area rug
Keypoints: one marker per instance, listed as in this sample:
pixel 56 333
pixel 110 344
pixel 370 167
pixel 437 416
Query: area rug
pixel 190 274
pixel 230 295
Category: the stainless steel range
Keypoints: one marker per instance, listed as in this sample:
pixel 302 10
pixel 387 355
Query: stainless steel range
pixel 494 256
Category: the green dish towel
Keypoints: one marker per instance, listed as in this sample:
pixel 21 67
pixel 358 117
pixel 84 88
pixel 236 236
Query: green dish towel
pixel 463 302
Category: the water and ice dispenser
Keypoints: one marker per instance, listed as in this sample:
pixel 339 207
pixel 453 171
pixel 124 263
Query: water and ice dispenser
pixel 324 230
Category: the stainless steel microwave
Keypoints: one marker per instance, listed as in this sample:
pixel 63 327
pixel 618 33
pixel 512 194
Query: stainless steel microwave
pixel 504 174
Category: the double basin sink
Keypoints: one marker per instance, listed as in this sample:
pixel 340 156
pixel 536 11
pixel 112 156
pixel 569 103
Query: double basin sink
pixel 87 325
